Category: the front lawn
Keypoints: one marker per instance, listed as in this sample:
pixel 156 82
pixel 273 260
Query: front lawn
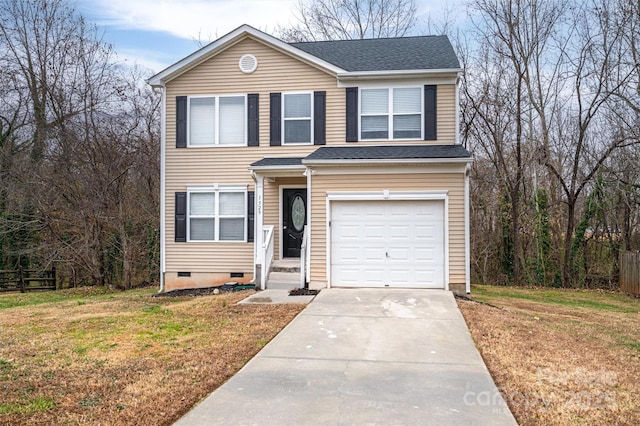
pixel 560 356
pixel 90 356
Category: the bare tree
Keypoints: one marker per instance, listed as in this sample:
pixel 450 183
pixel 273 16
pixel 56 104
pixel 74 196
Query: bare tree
pixel 79 149
pixel 549 100
pixel 350 19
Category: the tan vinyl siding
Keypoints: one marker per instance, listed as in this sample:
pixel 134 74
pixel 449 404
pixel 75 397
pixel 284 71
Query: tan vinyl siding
pixel 446 112
pixel 229 165
pixel 452 182
pixel 276 72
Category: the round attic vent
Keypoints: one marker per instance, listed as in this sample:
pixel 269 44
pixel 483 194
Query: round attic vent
pixel 248 64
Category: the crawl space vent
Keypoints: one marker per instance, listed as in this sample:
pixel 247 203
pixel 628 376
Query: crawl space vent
pixel 248 64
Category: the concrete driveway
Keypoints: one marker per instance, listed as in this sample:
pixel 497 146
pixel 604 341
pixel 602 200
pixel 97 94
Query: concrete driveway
pixel 363 357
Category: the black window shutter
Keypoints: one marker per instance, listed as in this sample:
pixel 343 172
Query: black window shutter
pixel 253 138
pixel 180 230
pixel 275 124
pixel 251 217
pixel 352 114
pixel 319 118
pixel 181 121
pixel 430 116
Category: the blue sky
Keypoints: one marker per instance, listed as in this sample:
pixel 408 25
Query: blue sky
pixel 157 33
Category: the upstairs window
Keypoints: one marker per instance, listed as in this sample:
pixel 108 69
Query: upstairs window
pixel 297 118
pixel 217 120
pixel 391 113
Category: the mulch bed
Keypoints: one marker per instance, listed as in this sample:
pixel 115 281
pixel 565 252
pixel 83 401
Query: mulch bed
pixel 208 291
pixel 303 292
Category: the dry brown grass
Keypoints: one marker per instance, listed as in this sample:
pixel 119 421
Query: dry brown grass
pixel 126 358
pixel 560 357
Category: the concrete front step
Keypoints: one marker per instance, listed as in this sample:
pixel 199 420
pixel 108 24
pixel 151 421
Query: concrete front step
pixel 283 280
pixel 282 268
pixel 286 265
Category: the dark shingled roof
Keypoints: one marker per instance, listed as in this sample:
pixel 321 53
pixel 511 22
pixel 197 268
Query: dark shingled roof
pixel 393 152
pixel 385 54
pixel 281 161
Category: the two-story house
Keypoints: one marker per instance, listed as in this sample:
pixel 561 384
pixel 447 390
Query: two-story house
pixel 340 160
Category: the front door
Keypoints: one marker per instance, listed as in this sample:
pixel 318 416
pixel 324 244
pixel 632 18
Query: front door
pixel 294 218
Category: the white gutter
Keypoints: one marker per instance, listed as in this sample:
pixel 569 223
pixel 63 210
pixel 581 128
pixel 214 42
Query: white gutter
pixel 163 148
pixel 349 162
pixel 417 73
pixel 279 168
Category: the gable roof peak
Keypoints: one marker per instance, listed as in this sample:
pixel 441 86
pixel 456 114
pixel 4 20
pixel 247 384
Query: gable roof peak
pixel 341 58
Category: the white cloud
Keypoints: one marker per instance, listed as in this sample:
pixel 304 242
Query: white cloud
pixel 189 19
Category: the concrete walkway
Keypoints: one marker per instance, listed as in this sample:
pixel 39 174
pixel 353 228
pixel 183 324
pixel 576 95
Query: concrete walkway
pixel 363 356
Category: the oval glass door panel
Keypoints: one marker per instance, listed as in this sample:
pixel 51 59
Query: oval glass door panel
pixel 298 213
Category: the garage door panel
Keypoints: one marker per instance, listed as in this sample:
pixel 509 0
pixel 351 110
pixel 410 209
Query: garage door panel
pixel 399 278
pixel 431 232
pixel 399 232
pixel 426 255
pixel 347 254
pixel 373 254
pixel 387 243
pixel 399 254
pixel 426 278
pixel 348 232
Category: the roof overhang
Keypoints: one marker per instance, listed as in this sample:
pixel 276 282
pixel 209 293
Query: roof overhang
pixel 355 76
pixel 278 167
pixel 241 33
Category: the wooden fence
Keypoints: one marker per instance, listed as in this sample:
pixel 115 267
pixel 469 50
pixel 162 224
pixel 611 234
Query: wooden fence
pixel 630 272
pixel 24 280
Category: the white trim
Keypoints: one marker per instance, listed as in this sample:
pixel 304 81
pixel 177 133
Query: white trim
pixel 299 167
pixel 407 169
pixel 283 119
pixel 467 242
pixel 327 227
pixel 386 195
pixel 228 40
pixel 457 106
pixel 309 172
pixel 280 203
pixel 163 187
pixel 446 243
pixel 463 160
pixel 420 80
pixel 417 73
pixel 258 250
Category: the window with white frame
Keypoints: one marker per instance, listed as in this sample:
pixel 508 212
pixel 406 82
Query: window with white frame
pixel 217 120
pixel 391 113
pixel 217 214
pixel 297 121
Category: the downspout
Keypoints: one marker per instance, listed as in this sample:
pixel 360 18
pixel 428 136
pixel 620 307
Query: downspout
pixel 457 135
pixel 308 172
pixel 467 239
pixel 255 227
pixel 163 149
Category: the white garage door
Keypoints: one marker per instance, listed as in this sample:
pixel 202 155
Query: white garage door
pixel 387 244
